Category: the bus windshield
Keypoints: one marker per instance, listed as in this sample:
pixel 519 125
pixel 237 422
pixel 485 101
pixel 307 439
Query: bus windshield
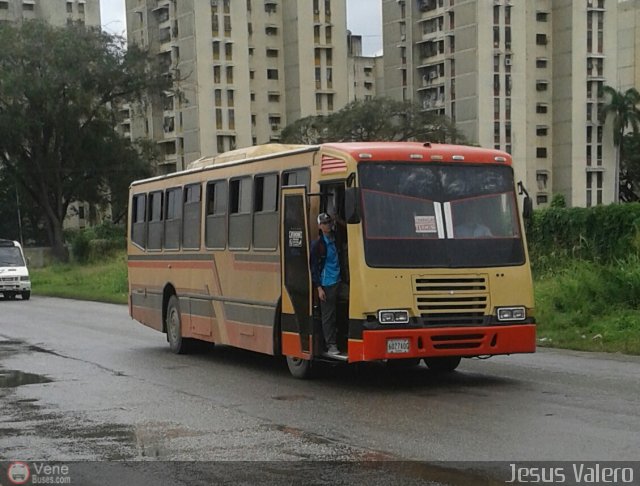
pixel 439 215
pixel 10 256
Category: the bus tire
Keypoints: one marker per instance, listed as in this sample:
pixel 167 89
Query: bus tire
pixel 177 343
pixel 26 295
pixel 444 364
pixel 403 363
pixel 299 368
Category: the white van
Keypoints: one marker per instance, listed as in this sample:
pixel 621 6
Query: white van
pixel 14 276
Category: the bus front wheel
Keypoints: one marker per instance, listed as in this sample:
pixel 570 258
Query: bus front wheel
pixel 298 367
pixel 444 364
pixel 177 343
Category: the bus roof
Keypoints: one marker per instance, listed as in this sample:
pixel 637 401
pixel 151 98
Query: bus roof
pixel 359 151
pixel 241 154
pixel 378 151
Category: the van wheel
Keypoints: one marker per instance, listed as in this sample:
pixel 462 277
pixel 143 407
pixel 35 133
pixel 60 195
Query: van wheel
pixel 26 295
pixel 177 343
pixel 444 364
pixel 299 368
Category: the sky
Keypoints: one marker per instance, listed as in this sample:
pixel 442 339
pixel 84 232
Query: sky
pixel 363 18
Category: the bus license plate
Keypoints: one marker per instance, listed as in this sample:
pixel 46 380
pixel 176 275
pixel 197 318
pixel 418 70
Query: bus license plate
pixel 397 346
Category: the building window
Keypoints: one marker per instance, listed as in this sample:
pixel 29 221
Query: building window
pixel 542 16
pixel 4 5
pixel 272 74
pixel 541 180
pixel 542 130
pixel 228 51
pixel 541 152
pixel 541 108
pixel 541 39
pixel 542 85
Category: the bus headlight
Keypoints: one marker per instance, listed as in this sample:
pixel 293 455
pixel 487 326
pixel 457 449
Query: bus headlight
pixel 512 314
pixel 393 316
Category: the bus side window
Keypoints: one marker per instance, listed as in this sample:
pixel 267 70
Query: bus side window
pixel 216 222
pixel 155 227
pixel 240 213
pixel 265 212
pixel 173 218
pixel 138 220
pixel 191 212
pixel 296 177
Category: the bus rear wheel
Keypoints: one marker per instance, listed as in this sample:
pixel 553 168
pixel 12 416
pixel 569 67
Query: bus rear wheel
pixel 444 364
pixel 177 343
pixel 299 368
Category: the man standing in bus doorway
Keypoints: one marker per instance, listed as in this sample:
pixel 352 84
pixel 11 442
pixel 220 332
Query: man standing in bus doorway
pixel 325 275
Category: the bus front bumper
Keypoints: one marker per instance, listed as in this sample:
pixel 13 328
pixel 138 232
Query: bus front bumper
pixel 459 341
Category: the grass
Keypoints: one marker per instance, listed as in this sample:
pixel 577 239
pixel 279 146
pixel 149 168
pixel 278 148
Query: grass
pixel 579 305
pixel 104 281
pixel 592 307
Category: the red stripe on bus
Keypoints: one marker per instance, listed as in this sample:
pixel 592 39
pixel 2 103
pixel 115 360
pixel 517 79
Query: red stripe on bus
pixel 257 267
pixel 171 264
pixel 291 346
pixel 249 336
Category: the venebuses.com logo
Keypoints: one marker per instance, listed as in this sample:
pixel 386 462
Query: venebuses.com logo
pixel 18 472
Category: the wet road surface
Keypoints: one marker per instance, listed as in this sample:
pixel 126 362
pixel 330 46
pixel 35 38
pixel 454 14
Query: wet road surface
pixel 80 381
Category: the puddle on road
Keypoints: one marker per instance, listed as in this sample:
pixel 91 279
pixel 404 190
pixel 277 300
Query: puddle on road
pixel 14 378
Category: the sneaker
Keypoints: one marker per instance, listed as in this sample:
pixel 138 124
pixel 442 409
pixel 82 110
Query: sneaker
pixel 333 350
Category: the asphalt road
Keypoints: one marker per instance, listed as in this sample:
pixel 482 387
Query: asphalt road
pixel 81 381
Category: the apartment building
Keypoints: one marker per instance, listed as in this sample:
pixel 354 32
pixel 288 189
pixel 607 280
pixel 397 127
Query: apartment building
pixel 365 73
pixel 629 44
pixel 521 76
pixel 55 12
pixel 244 70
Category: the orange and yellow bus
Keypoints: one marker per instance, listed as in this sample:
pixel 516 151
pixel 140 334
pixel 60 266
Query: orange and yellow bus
pixel 435 253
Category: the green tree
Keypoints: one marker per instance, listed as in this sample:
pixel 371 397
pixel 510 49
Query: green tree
pixel 375 119
pixel 622 109
pixel 630 168
pixel 58 91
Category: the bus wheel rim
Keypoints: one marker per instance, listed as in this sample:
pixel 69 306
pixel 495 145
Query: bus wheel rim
pixel 173 325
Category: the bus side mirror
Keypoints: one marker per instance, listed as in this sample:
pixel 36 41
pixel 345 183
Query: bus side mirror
pixel 527 208
pixel 352 205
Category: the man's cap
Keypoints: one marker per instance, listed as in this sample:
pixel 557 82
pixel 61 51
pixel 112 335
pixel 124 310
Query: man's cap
pixel 324 218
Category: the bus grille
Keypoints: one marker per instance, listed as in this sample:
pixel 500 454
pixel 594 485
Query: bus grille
pixel 451 301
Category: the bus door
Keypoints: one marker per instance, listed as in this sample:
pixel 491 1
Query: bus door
pixel 296 316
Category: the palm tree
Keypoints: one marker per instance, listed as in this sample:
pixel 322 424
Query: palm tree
pixel 624 111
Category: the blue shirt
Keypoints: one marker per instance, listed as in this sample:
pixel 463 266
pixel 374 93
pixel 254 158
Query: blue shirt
pixel 331 271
